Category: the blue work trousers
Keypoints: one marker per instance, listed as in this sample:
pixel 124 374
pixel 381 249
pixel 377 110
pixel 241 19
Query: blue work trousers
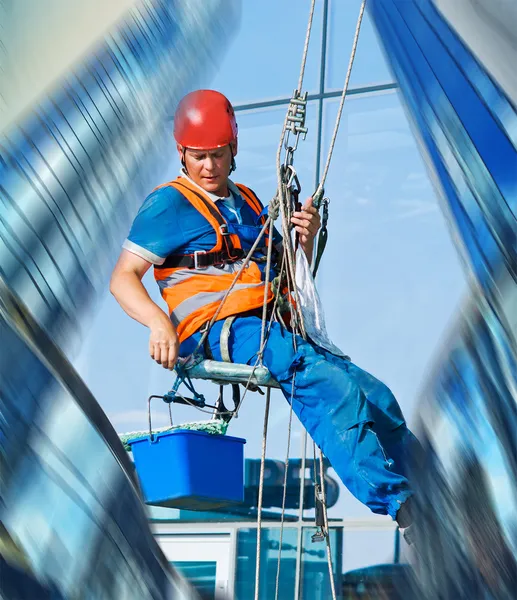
pixel 353 417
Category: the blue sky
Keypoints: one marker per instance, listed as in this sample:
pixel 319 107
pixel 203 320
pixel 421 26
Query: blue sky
pixel 390 280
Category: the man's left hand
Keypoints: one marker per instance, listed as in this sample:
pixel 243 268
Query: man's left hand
pixel 307 222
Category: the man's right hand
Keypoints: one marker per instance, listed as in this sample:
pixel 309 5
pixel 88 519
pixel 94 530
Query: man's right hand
pixel 163 342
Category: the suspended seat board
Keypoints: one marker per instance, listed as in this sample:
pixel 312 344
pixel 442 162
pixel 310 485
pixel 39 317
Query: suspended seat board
pixel 226 373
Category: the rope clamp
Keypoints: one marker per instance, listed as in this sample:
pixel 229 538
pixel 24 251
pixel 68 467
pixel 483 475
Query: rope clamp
pixel 296 118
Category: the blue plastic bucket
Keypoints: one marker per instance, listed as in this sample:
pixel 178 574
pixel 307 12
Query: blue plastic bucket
pixel 192 470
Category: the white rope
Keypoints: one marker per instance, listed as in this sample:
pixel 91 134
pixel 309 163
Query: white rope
pixel 281 196
pixel 342 102
pixel 326 526
pixel 300 84
pixel 306 46
pixel 260 493
pixel 282 518
pixel 266 293
pixel 281 191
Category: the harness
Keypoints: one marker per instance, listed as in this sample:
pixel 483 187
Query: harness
pixel 194 285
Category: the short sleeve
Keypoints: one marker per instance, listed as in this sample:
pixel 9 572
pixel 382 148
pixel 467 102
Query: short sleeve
pixel 155 233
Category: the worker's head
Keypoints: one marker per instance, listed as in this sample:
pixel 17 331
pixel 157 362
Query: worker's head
pixel 205 131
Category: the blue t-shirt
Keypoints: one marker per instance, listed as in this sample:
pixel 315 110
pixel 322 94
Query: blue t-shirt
pixel 167 223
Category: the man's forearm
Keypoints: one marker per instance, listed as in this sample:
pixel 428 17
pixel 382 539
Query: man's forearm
pixel 132 296
pixel 308 248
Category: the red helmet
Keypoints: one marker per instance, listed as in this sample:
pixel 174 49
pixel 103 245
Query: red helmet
pixel 205 119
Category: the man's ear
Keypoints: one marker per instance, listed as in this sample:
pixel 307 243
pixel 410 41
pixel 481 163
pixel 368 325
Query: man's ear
pixel 181 152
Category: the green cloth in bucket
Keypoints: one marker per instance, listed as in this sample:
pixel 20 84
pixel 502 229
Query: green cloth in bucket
pixel 216 427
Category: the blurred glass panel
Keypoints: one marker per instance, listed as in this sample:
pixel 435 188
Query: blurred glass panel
pixel 71 517
pixel 201 575
pixel 380 582
pixel 270 43
pixel 467 495
pixel 270 549
pixel 77 163
pixel 315 577
pixel 369 64
pixel 466 124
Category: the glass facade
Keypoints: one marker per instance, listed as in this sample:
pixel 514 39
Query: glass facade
pixel 201 574
pixel 467 125
pixel 226 554
pixel 72 171
pixel 462 101
pixel 70 510
pixel 314 582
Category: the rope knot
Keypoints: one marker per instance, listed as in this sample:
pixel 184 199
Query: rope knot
pixel 273 208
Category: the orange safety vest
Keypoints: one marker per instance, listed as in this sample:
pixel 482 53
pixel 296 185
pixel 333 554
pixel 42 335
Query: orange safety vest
pixel 193 294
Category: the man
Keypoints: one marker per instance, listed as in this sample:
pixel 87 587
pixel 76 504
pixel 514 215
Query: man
pixel 195 230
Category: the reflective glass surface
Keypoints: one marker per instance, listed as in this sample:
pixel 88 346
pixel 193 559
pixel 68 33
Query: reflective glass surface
pixel 72 171
pixel 315 578
pixel 269 553
pixel 201 575
pixel 467 125
pixel 75 168
pixel 362 548
pixel 314 575
pixel 70 512
pixel 465 476
pixel 468 506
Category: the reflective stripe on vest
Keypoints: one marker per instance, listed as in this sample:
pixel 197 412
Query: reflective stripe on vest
pixel 194 295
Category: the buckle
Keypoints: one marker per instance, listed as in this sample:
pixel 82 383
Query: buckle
pixel 223 229
pixel 196 259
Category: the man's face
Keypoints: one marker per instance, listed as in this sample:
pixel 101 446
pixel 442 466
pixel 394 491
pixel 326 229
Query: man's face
pixel 209 168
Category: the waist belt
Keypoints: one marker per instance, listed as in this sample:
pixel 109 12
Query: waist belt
pixel 201 259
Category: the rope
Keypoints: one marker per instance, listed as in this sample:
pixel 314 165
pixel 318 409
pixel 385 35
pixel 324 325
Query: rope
pixel 300 84
pixel 291 261
pixel 327 533
pixel 277 585
pixel 281 191
pixel 306 46
pixel 342 102
pixel 260 494
pixel 266 292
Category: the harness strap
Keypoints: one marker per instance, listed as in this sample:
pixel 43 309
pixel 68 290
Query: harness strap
pixel 224 339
